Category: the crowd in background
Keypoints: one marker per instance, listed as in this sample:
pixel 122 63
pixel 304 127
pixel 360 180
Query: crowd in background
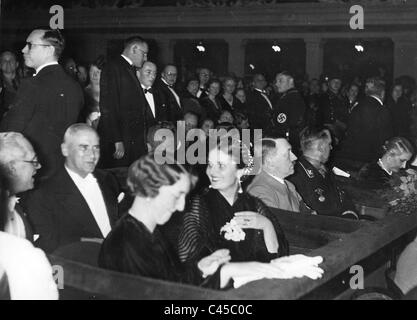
pixel 72 119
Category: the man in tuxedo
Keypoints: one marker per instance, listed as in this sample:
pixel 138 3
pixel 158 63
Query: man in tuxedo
pixel 369 127
pixel 47 103
pixel 153 100
pixel 166 85
pixel 78 202
pixel 18 165
pixel 259 105
pixel 122 125
pixel 270 185
pixel 289 109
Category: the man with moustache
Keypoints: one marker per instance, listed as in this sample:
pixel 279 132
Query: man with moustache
pixel 122 126
pixel 270 185
pixel 78 202
pixel 47 103
pixel 153 100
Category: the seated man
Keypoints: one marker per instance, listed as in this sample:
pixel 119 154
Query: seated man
pixel 78 202
pixel 316 184
pixel 270 185
pixel 18 165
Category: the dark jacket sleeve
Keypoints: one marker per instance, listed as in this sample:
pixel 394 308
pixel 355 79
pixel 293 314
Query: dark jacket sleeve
pixel 110 103
pixel 43 219
pixel 22 110
pixel 283 249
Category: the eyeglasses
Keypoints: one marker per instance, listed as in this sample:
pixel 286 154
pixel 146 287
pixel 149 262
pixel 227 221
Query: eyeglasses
pixel 35 163
pixel 30 45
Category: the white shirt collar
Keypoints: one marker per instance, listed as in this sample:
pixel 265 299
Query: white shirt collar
pixel 276 178
pixel 261 91
pixel 77 178
pixel 378 99
pixel 45 65
pixel 127 59
pixel 164 81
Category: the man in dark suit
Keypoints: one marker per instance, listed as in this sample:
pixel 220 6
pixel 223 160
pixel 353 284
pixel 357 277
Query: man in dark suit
pixel 166 84
pixel 369 127
pixel 47 103
pixel 334 108
pixel 289 110
pixel 153 100
pixel 78 202
pixel 18 166
pixel 122 126
pixel 259 105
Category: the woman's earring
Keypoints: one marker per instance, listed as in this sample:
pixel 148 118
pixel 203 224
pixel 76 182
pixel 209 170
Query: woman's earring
pixel 240 190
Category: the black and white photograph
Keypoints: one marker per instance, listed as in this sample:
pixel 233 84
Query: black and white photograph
pixel 208 154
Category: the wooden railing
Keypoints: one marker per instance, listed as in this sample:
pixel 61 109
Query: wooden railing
pixel 342 243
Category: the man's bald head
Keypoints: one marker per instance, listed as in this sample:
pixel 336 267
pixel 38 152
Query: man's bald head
pixel 77 129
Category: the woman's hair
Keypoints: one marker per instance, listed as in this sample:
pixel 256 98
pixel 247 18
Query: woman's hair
pixel 237 150
pixel 146 176
pixel 396 146
pixel 227 79
pixel 211 81
pixel 99 62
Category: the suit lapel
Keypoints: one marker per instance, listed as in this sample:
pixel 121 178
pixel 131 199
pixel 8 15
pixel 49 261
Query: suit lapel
pixel 111 206
pixel 75 205
pixel 129 70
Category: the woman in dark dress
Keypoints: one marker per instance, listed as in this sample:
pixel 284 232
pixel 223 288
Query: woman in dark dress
pixel 396 152
pixel 225 205
pixel 212 104
pixel 137 245
pixel 227 99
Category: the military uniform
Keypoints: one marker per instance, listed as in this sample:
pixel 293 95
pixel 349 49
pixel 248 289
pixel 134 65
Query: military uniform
pixel 289 116
pixel 319 190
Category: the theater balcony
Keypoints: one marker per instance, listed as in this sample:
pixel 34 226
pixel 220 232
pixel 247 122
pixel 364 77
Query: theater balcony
pixel 233 26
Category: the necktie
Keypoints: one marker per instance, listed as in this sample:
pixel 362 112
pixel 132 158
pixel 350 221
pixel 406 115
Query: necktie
pixel 150 90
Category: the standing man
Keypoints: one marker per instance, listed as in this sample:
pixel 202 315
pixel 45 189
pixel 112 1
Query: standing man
pixel 167 85
pixel 122 126
pixel 153 101
pixel 334 108
pixel 46 104
pixel 368 128
pixel 259 105
pixel 289 110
